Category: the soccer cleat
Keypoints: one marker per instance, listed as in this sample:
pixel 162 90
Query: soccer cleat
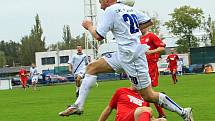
pixel 188 115
pixel 71 110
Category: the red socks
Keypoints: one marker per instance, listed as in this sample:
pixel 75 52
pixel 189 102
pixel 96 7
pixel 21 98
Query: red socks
pixel 160 110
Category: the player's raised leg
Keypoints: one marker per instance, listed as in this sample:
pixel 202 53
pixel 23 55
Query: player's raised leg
pixel 166 102
pixel 98 66
pixel 78 84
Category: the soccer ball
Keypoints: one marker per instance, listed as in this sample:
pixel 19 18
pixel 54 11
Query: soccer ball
pixel 127 2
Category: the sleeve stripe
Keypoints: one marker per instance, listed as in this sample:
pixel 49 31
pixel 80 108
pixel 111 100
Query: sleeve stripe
pixel 99 35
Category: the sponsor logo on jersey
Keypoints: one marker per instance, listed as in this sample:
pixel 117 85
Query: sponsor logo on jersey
pixel 135 100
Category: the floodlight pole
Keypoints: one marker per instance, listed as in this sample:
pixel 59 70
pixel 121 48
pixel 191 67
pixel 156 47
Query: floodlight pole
pixel 90 12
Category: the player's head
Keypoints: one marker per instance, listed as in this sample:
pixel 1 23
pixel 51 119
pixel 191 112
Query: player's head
pixel 33 65
pixel 127 2
pixel 22 71
pixel 144 30
pixel 79 49
pixel 172 50
pixel 106 3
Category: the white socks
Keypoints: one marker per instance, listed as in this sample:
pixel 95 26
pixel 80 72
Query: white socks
pixel 88 82
pixel 169 104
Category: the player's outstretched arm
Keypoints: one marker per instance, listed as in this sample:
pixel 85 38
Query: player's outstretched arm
pixel 70 67
pixel 105 114
pixel 88 25
pixel 159 49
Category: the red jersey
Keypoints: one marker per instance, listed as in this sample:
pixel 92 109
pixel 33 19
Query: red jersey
pixel 22 73
pixel 126 100
pixel 172 59
pixel 153 41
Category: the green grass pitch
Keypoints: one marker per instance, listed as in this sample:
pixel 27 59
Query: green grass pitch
pixel 197 91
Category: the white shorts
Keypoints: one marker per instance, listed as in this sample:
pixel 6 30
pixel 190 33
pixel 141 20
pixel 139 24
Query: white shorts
pixel 137 70
pixel 80 73
pixel 34 79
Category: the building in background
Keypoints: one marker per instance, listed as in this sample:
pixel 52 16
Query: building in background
pixel 56 61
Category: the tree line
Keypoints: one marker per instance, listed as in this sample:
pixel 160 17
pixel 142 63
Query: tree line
pixel 184 22
pixel 23 53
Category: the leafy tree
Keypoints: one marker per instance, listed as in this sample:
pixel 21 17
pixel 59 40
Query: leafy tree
pixel 155 28
pixel 52 47
pixel 2 59
pixel 35 42
pixel 63 45
pixel 80 40
pixel 11 51
pixel 209 27
pixel 182 24
pixel 67 38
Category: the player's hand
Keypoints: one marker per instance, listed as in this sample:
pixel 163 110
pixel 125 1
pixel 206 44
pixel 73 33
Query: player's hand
pixel 149 52
pixel 71 72
pixel 87 24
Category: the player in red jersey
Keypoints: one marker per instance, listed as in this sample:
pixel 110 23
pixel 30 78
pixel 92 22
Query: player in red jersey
pixel 23 77
pixel 172 60
pixel 130 106
pixel 156 46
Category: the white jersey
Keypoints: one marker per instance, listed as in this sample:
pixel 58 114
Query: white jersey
pixel 123 21
pixel 179 65
pixel 33 72
pixel 78 62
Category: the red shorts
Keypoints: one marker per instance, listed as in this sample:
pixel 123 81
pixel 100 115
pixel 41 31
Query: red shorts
pixel 24 80
pixel 128 117
pixel 153 72
pixel 173 69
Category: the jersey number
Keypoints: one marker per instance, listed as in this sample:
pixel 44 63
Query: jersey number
pixel 133 80
pixel 134 26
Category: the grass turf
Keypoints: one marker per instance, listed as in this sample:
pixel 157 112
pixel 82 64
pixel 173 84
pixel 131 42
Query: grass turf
pixel 196 91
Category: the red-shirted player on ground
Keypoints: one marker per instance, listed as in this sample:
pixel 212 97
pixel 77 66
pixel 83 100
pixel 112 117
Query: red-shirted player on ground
pixel 156 46
pixel 172 60
pixel 130 106
pixel 23 77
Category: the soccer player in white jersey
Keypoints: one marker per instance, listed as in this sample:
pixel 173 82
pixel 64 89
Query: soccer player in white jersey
pixel 34 75
pixel 77 66
pixel 124 23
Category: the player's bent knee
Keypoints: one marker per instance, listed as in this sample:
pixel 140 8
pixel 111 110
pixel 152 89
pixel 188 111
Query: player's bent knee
pixel 149 96
pixel 98 66
pixel 91 68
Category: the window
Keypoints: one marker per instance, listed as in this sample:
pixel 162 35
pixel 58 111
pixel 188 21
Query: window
pixel 64 59
pixel 48 60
